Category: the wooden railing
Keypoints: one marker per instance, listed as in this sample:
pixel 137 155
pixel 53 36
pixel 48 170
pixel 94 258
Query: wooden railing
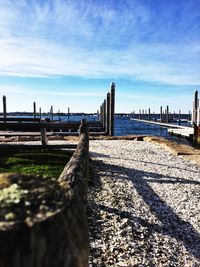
pixel 76 171
pixel 61 238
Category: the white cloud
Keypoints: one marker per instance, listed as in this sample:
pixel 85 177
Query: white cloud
pixel 63 38
pixel 40 91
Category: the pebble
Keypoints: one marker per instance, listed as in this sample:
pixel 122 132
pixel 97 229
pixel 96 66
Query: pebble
pixel 144 207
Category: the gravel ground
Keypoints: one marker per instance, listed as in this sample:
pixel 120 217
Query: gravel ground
pixel 143 207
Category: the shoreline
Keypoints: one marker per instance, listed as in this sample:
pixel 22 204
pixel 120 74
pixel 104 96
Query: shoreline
pixel 185 151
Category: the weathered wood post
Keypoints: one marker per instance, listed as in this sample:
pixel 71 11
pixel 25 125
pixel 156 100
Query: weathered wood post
pixel 179 117
pixel 108 113
pixel 4 107
pixel 189 115
pixel 44 138
pixel 112 109
pixel 167 114
pixel 68 112
pixel 195 107
pixel 104 115
pixel 149 114
pixel 161 112
pixel 143 114
pixel 196 118
pixel 34 110
pixel 52 113
pixel 139 114
pixel 100 114
pixel 84 133
pixel 40 111
pixel 102 118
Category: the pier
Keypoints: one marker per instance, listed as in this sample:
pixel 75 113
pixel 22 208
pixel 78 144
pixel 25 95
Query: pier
pixel 166 119
pixel 36 124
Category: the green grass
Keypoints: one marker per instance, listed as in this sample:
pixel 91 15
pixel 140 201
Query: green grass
pixel 45 163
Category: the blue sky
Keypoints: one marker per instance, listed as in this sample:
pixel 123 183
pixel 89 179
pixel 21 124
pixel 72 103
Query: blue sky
pixel 65 53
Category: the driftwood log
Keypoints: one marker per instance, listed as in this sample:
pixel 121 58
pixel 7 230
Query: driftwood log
pixel 60 240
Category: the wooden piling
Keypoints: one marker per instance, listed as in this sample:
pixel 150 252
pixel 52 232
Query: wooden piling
pixel 4 107
pixel 189 115
pixel 195 106
pixel 108 113
pixel 179 117
pixel 34 110
pixel 167 114
pixel 100 114
pixel 103 122
pixel 44 138
pixel 112 109
pixel 104 114
pixel 161 112
pixel 68 112
pixel 196 118
pixel 40 111
pixel 51 110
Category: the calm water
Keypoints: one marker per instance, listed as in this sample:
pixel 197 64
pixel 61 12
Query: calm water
pixel 125 126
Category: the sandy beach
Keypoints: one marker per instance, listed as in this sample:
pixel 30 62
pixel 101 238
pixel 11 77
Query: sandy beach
pixel 143 207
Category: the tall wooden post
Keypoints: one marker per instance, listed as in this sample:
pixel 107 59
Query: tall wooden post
pixel 161 120
pixel 68 111
pixel 44 138
pixel 51 110
pixel 4 107
pixel 196 118
pixel 40 111
pixel 112 108
pixel 179 117
pixel 167 114
pixel 34 110
pixel 189 115
pixel 149 113
pixel 103 123
pixel 195 106
pixel 100 114
pixel 104 113
pixel 108 113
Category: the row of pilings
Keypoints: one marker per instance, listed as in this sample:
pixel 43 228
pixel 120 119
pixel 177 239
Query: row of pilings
pixel 107 111
pixel 164 116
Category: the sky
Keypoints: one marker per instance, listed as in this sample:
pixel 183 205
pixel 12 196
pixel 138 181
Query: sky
pixel 66 53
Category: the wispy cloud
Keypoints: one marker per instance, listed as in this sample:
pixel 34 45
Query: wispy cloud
pixel 40 92
pixel 107 39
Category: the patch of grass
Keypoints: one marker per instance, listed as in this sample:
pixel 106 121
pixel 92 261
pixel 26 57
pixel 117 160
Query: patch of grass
pixel 45 163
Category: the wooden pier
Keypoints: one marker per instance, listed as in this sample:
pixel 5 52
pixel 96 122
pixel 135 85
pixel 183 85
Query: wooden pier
pixel 14 126
pixel 192 133
pixel 187 132
pixel 180 131
pixel 162 124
